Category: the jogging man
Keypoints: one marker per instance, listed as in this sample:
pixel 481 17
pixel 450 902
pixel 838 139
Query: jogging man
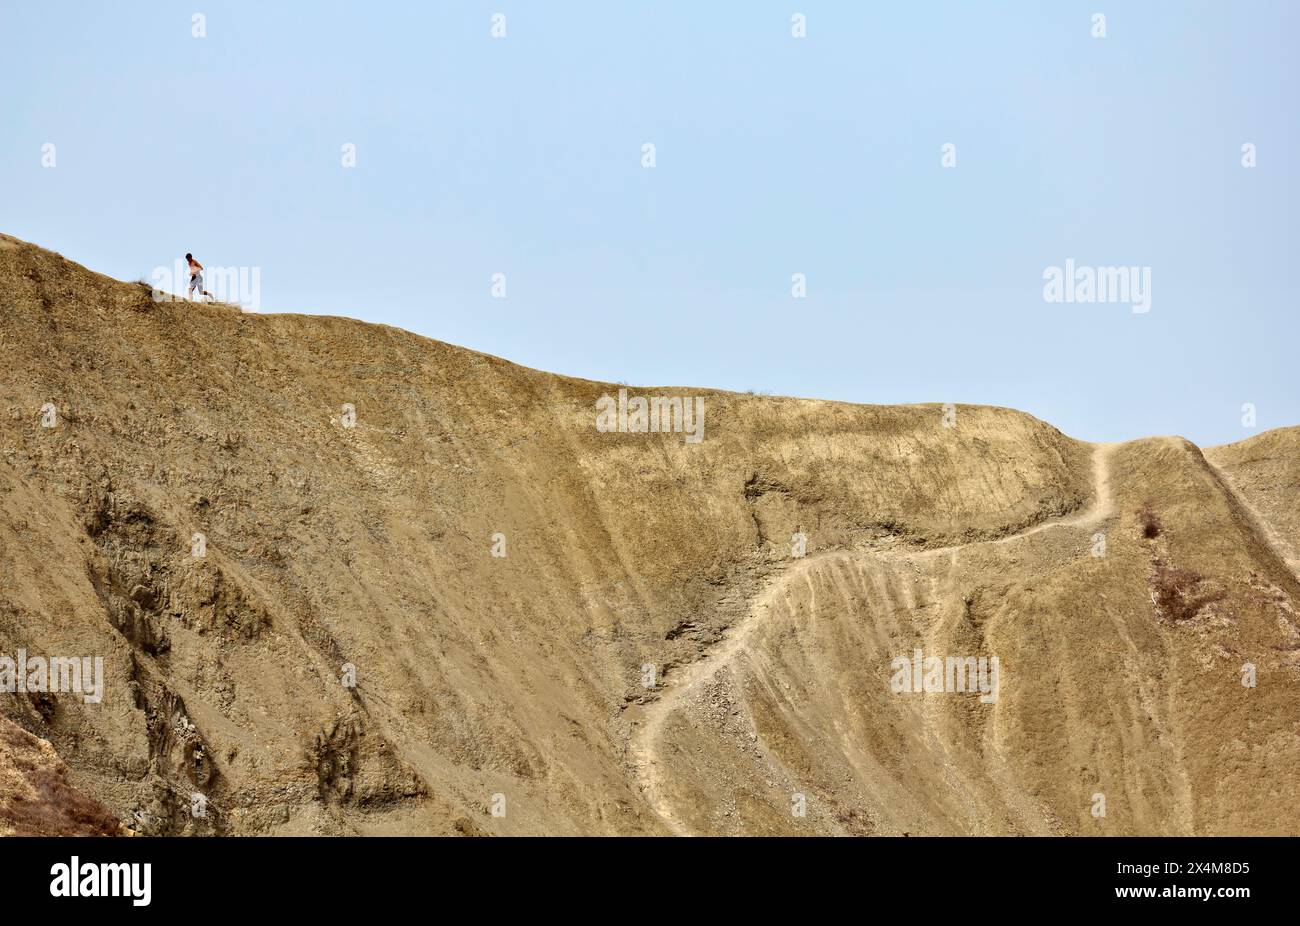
pixel 196 278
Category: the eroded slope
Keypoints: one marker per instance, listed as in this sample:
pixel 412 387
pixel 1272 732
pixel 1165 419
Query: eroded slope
pixel 516 681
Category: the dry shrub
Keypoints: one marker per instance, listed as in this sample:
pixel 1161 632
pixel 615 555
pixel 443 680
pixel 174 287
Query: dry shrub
pixel 1150 522
pixel 38 799
pixel 1181 593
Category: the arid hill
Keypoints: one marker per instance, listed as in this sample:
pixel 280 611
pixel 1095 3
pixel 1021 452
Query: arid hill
pixel 559 629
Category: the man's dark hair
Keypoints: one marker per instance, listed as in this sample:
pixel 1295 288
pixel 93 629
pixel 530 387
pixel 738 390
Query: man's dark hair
pixel 189 257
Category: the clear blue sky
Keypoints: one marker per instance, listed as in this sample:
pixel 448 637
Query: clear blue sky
pixel 775 155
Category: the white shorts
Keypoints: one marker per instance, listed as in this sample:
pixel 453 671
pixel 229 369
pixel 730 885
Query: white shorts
pixel 196 282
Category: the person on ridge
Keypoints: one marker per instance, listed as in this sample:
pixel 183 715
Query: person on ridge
pixel 196 278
